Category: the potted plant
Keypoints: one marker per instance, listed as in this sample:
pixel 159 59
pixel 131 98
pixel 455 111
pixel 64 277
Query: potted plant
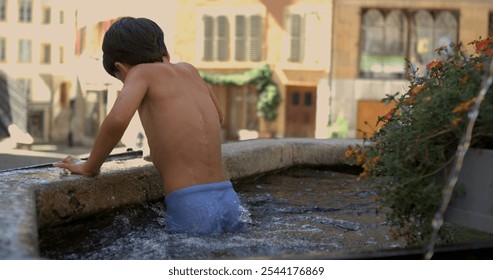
pixel 410 156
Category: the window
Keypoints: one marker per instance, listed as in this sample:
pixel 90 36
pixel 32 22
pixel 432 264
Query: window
pixel 61 57
pixel 45 53
pixel 46 15
pixel 3 54
pixel 237 34
pixel 308 99
pixel 303 29
pixel 98 34
pixel 383 43
pixel 248 38
pixel 24 50
pixel 25 10
pixel 216 38
pixel 296 38
pixel 388 37
pixel 80 40
pixel 3 10
pixel 431 31
pixel 64 101
pixel 24 87
pixel 61 17
pixel 296 98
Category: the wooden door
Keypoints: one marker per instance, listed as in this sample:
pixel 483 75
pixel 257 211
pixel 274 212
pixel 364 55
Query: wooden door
pixel 368 113
pixel 300 111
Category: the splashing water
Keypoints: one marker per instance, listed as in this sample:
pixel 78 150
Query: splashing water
pixel 462 148
pixel 296 212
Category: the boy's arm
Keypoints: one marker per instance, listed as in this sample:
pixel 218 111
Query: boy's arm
pixel 113 126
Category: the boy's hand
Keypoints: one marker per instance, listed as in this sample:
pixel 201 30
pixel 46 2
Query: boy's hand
pixel 75 166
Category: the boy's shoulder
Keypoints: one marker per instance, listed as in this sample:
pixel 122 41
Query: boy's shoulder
pixel 185 68
pixel 165 65
pixel 148 70
pixel 186 65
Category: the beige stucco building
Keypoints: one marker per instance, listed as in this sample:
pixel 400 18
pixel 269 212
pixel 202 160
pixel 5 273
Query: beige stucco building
pixel 292 37
pixel 36 57
pixel 332 60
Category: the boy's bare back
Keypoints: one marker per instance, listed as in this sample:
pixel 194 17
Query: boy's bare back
pixel 182 121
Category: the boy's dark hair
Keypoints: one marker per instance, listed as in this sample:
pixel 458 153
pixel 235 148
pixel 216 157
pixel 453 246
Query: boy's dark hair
pixel 132 41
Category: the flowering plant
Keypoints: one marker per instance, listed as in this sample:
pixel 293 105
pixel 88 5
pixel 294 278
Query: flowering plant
pixel 409 155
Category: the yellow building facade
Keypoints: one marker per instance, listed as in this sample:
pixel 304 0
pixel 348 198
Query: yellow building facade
pixel 332 60
pixel 232 37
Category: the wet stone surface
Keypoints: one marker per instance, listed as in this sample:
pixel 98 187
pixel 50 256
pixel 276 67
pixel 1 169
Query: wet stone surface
pixel 294 212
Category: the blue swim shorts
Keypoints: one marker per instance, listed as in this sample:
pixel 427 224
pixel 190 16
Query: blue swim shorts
pixel 204 209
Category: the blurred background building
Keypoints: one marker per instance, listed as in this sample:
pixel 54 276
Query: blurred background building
pixel 332 60
pixel 36 67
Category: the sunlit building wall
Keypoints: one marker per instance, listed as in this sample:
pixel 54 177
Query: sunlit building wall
pixel 292 37
pixel 372 39
pixel 36 53
pixel 333 60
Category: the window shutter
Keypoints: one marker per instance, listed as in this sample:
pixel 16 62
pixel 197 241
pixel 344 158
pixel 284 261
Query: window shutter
pixel 2 49
pixel 3 13
pixel 208 51
pixel 295 32
pixel 241 40
pixel 222 38
pixel 255 38
pixel 46 59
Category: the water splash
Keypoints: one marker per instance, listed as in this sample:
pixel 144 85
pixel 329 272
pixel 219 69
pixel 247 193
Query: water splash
pixel 283 217
pixel 462 148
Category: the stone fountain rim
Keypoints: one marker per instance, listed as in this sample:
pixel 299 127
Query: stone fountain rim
pixel 32 199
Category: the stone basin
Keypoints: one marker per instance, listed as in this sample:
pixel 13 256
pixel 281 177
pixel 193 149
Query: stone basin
pixel 34 199
pixel 37 200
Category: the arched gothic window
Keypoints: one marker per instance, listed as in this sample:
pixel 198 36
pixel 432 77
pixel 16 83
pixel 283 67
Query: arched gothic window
pixel 389 37
pixel 431 31
pixel 384 43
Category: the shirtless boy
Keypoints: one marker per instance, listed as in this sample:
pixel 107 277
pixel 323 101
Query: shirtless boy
pixel 182 122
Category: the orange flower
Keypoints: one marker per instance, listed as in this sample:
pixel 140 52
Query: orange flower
pixel 485 45
pixel 455 121
pixel 360 159
pixel 464 106
pixel 376 159
pixel 348 153
pixel 433 64
pixel 417 89
pixel 389 115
